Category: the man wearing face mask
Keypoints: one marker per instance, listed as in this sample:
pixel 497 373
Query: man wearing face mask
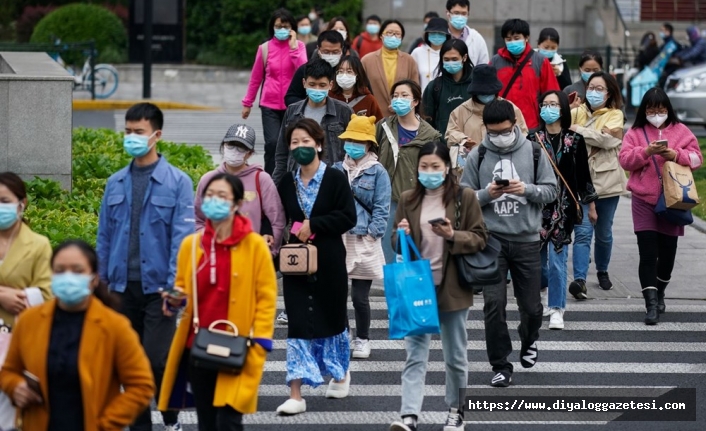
pixel 513 181
pixel 147 210
pixel 332 115
pixel 457 12
pixel 261 202
pixel 524 72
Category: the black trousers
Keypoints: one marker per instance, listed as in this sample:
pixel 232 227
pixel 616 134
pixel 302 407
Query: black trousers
pixel 657 254
pixel 360 295
pixel 156 332
pixel 524 262
pixel 271 125
pixel 203 386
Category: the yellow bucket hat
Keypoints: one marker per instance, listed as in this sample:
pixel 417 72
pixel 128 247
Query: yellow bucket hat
pixel 360 129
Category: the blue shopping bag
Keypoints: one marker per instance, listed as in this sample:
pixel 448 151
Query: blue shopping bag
pixel 410 293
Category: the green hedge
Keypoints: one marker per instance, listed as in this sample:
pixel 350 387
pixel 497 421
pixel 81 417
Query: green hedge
pixel 97 154
pixel 81 22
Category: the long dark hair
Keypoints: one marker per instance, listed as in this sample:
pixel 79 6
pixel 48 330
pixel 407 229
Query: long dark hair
pixel 654 98
pixel 450 186
pixel 462 49
pixel 564 105
pixel 362 84
pixel 615 97
pixel 109 299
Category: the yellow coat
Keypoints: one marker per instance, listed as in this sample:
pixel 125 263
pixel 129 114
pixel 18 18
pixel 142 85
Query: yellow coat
pixel 253 302
pixel 26 264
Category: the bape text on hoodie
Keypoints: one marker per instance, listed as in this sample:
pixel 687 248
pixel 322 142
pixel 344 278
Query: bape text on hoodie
pixel 511 217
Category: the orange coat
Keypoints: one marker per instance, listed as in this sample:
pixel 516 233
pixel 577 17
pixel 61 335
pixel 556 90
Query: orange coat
pixel 110 355
pixel 373 64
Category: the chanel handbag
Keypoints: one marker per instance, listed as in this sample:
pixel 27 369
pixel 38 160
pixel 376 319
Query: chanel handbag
pixel 298 259
pixel 215 349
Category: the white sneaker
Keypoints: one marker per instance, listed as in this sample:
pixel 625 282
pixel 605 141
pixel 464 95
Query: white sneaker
pixel 544 297
pixel 339 390
pixel 361 349
pixel 292 407
pixel 556 321
pixel 175 427
pixel 282 318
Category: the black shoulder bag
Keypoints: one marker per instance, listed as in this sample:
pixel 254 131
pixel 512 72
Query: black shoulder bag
pixel 517 74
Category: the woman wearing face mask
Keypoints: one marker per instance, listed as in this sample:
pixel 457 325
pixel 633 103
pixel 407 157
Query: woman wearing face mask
pixel 370 185
pixel 427 56
pixel 400 137
pixel 547 45
pixel 304 34
pixel 353 88
pixel 276 62
pixel 235 281
pixel 450 88
pixel 437 195
pixel 319 206
pixel 600 121
pixel 590 63
pixel 568 153
pixel 340 25
pixel 643 156
pixel 91 369
pixel 25 274
pixel 261 202
pixel 389 65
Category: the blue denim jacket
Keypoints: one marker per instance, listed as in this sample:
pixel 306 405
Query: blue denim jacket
pixel 373 188
pixel 167 217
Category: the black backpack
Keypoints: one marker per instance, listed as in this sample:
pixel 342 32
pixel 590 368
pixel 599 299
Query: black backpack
pixel 536 154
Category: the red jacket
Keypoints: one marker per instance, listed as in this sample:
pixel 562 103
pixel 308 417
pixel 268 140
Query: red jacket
pixel 537 77
pixel 364 44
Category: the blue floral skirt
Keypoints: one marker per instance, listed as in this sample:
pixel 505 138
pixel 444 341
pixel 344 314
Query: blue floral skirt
pixel 312 360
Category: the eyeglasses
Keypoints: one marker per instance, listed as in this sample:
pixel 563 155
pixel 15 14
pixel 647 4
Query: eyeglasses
pixel 505 133
pixel 551 105
pixel 285 27
pixel 657 112
pixel 392 34
pixel 598 88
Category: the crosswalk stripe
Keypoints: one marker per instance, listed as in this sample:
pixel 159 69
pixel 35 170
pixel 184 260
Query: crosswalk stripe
pixel 582 326
pixel 541 367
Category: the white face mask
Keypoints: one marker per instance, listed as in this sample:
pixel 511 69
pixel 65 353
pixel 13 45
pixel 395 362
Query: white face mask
pixel 234 157
pixel 331 59
pixel 343 33
pixel 503 142
pixel 657 120
pixel 345 81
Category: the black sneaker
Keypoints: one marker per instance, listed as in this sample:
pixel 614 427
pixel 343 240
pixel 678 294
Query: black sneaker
pixel 501 380
pixel 408 423
pixel 528 356
pixel 454 421
pixel 604 280
pixel 578 289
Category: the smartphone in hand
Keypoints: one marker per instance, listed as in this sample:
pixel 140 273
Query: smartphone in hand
pixel 502 183
pixel 32 382
pixel 439 221
pixel 572 97
pixel 662 142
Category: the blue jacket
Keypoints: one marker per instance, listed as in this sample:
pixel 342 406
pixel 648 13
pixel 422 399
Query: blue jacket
pixel 167 217
pixel 696 54
pixel 372 187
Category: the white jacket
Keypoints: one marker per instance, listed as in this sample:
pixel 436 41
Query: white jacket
pixel 477 48
pixel 427 62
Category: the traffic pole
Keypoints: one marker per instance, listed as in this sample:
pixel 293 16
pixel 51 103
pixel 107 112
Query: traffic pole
pixel 147 59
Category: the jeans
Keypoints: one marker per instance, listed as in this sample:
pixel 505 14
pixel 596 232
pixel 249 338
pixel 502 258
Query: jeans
pixel 522 259
pixel 271 125
pixel 657 254
pixel 387 249
pixel 554 274
pixel 210 418
pixel 454 342
pixel 583 233
pixel 156 332
pixel 360 295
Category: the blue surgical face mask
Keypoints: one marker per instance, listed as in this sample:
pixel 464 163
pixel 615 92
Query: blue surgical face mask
pixel 516 47
pixel 391 42
pixel 453 66
pixel 437 38
pixel 662 35
pixel 549 53
pixel 485 98
pixel 595 98
pixel 401 106
pixel 458 21
pixel 354 150
pixel 282 33
pixel 8 215
pixel 431 180
pixel 372 29
pixel 137 145
pixel 216 209
pixel 550 115
pixel 585 75
pixel 304 30
pixel 316 95
pixel 71 288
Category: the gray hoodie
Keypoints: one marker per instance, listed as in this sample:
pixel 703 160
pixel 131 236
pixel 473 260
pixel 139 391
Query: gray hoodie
pixel 514 218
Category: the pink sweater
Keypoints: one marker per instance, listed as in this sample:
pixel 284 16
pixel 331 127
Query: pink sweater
pixel 282 62
pixel 644 182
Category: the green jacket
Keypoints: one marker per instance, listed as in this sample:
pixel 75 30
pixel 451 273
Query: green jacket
pixel 441 97
pixel 404 175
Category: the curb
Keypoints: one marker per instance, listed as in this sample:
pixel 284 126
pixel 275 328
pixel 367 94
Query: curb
pixel 110 105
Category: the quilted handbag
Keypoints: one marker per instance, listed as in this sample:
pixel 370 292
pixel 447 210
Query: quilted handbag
pixel 298 259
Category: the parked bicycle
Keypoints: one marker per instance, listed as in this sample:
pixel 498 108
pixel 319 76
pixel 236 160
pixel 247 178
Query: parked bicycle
pixel 106 76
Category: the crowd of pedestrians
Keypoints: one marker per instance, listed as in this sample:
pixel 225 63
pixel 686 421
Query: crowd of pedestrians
pixel 364 142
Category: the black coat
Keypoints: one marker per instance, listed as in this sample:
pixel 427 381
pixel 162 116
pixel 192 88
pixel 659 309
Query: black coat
pixel 317 306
